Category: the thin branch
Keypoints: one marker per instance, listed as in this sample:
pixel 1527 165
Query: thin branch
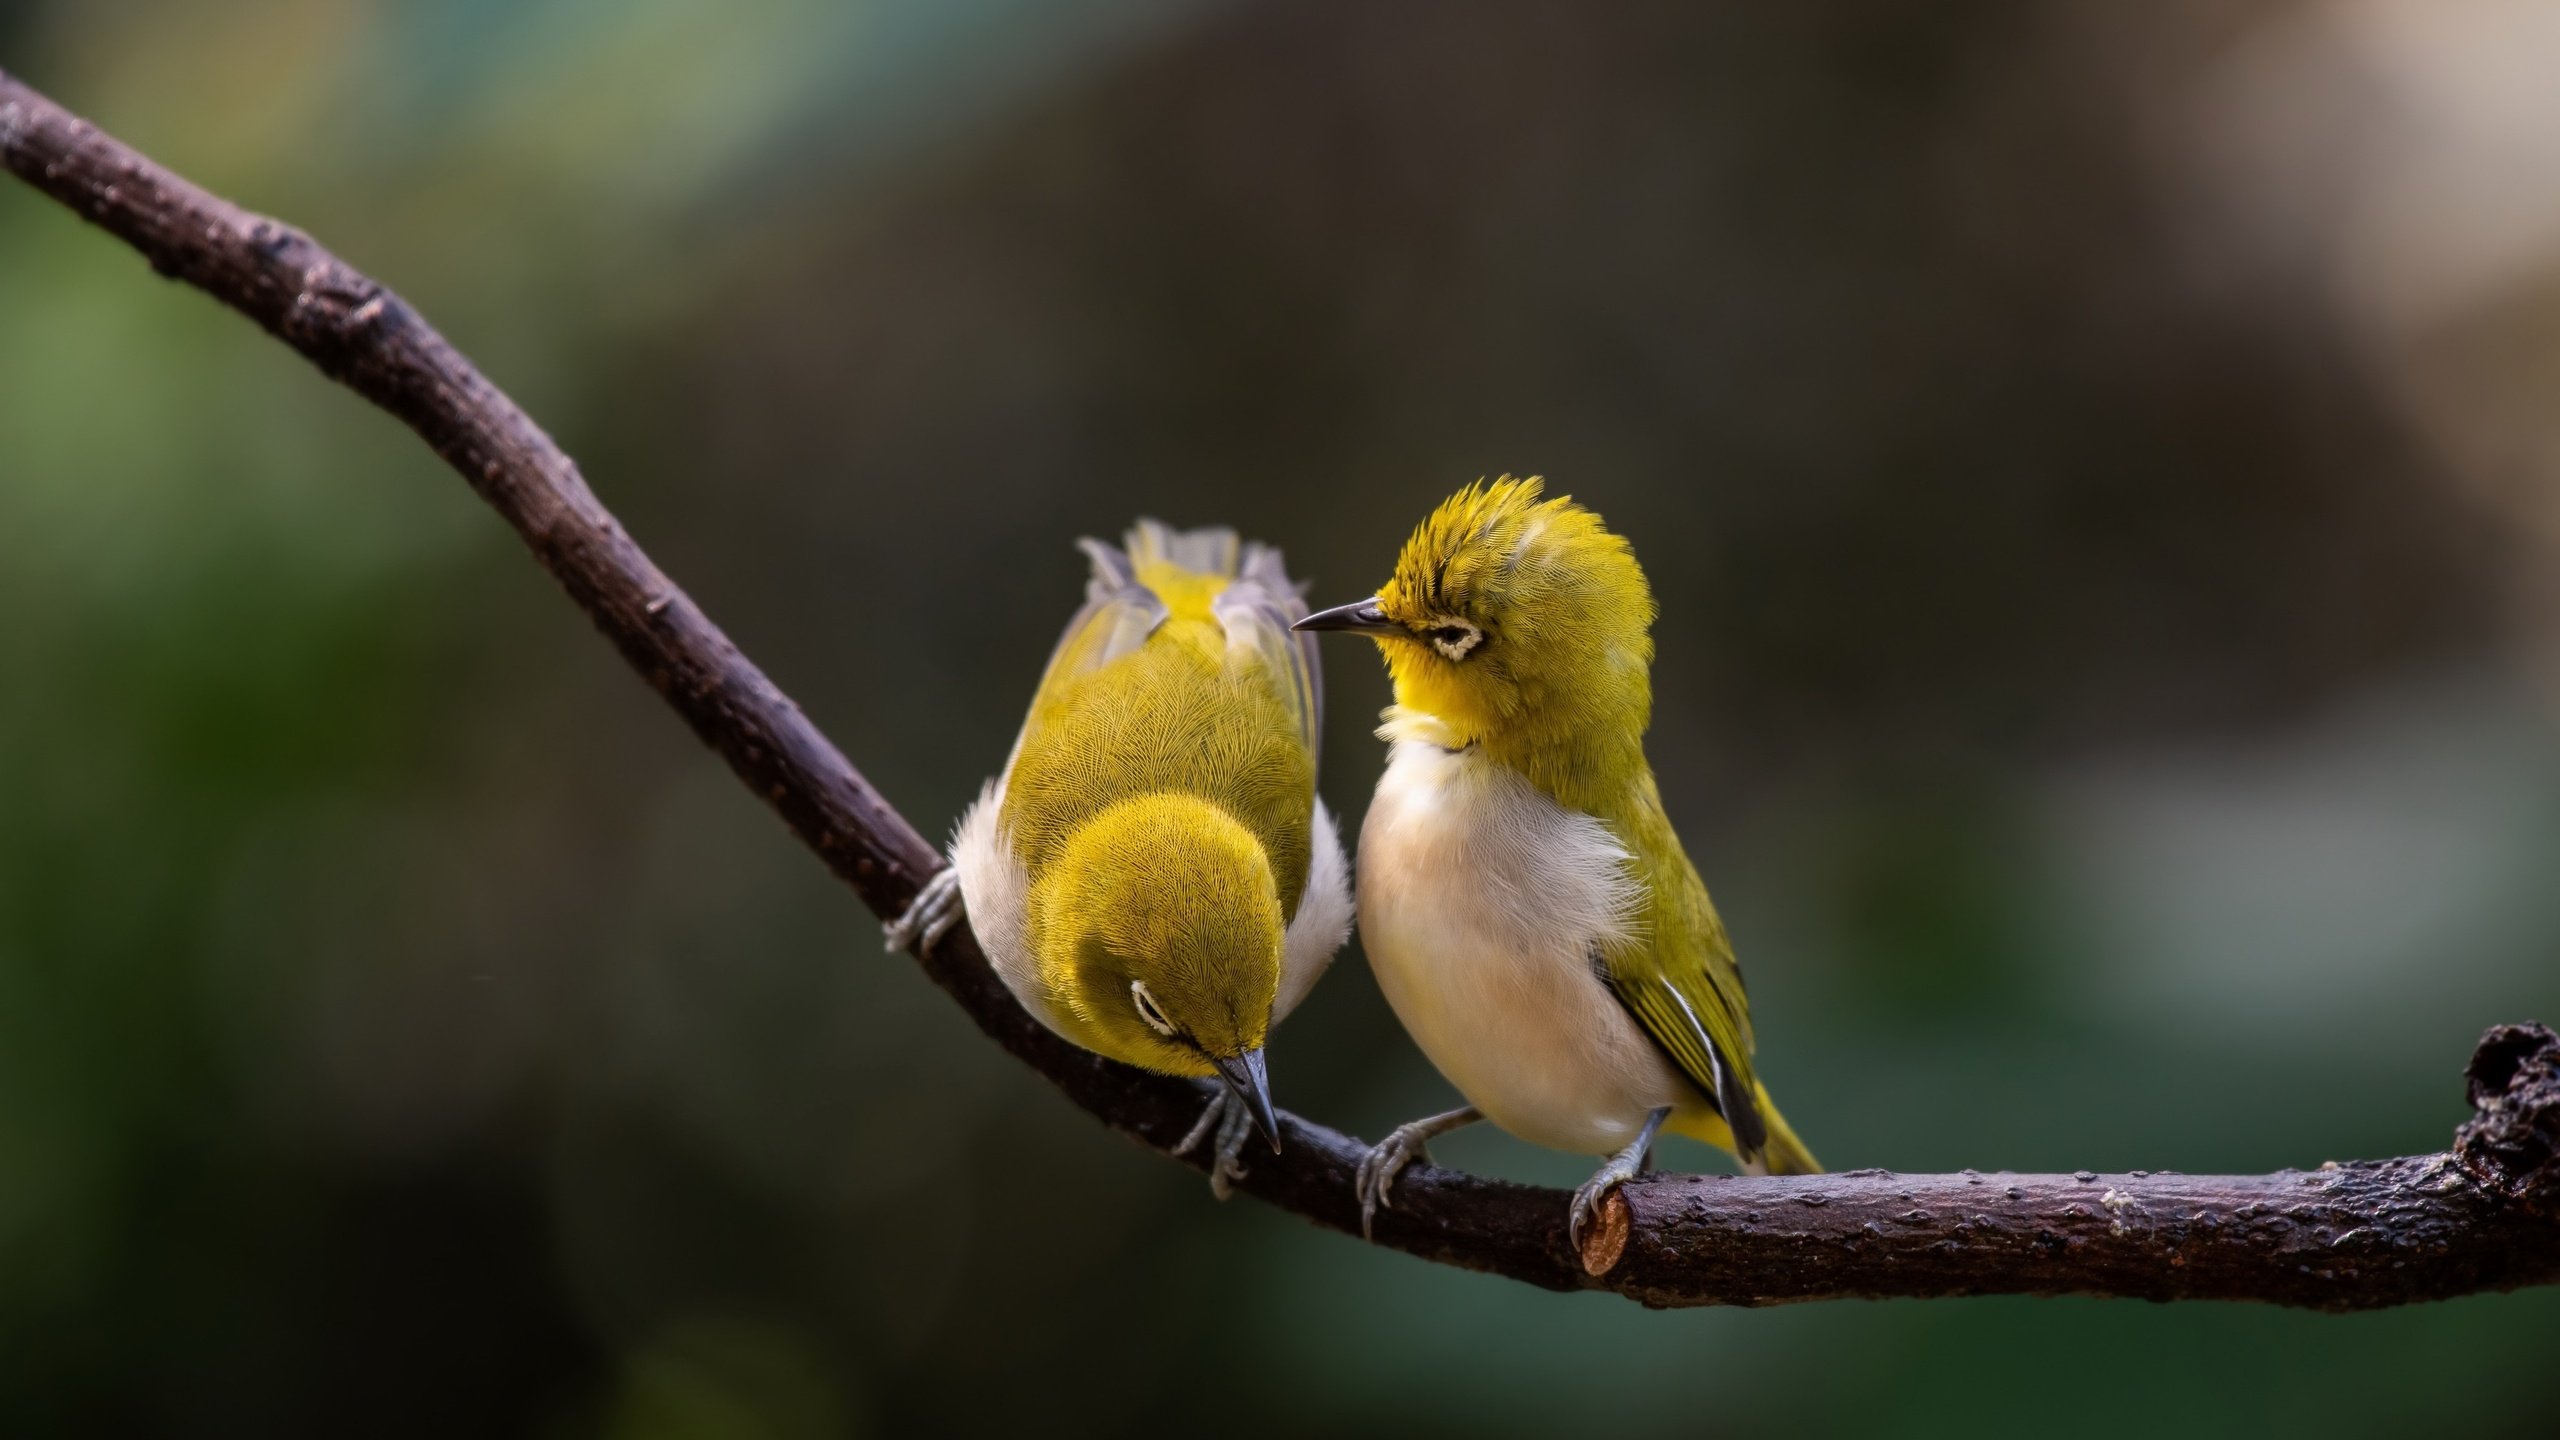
pixel 2484 1216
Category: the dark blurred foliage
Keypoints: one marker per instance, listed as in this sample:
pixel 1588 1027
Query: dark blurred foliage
pixel 2097 676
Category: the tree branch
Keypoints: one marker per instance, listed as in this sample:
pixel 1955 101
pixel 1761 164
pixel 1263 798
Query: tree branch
pixel 2483 1216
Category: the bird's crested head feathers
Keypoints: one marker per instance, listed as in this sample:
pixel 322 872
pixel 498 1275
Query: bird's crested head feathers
pixel 1517 621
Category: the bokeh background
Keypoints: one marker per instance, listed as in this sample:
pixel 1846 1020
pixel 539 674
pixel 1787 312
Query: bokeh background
pixel 2098 466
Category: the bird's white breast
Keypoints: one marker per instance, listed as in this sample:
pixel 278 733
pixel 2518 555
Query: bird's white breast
pixel 1481 904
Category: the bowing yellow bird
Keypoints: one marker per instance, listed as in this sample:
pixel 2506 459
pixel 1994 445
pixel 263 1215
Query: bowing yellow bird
pixel 1524 901
pixel 1152 874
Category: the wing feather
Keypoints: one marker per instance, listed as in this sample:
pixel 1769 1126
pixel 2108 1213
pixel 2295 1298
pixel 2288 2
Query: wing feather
pixel 1118 615
pixel 1680 980
pixel 1256 610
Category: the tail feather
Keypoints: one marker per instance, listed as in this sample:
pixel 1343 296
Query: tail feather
pixel 1780 1154
pixel 1784 1154
pixel 1256 607
pixel 1210 550
pixel 1263 566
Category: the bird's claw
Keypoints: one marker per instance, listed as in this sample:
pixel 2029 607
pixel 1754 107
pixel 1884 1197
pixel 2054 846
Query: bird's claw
pixel 1376 1176
pixel 1622 1167
pixel 1232 1123
pixel 1595 1191
pixel 930 916
pixel 1406 1143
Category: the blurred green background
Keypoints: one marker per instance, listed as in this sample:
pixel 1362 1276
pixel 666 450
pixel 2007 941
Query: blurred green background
pixel 2097 466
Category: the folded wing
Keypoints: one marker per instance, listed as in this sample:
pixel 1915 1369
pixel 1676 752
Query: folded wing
pixel 1682 983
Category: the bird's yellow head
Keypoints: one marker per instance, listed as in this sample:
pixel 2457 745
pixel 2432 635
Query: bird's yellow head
pixel 1513 622
pixel 1160 933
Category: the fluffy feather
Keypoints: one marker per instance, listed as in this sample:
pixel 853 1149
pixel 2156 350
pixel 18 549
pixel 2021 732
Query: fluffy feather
pixel 1156 824
pixel 1520 646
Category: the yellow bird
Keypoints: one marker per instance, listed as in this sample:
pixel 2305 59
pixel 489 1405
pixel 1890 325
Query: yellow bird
pixel 1152 875
pixel 1526 906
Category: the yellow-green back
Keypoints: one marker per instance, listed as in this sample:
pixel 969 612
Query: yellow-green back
pixel 1161 797
pixel 1183 710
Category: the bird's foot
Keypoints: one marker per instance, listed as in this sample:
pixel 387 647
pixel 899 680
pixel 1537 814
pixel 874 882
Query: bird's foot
pixel 1228 1118
pixel 1622 1167
pixel 1386 1160
pixel 930 916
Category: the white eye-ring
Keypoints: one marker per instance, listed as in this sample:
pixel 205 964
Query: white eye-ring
pixel 1454 638
pixel 1147 1010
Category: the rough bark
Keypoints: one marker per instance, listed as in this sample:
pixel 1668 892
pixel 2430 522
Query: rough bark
pixel 2482 1216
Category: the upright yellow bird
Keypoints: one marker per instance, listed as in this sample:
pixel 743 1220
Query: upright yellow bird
pixel 1152 875
pixel 1526 906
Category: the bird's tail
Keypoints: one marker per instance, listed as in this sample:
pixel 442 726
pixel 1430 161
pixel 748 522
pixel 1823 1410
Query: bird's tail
pixel 1212 550
pixel 1781 1154
pixel 1785 1154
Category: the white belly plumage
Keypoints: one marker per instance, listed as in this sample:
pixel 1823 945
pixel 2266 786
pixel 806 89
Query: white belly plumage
pixel 1481 902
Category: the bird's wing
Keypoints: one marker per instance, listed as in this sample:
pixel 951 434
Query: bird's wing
pixel 1118 615
pixel 1680 980
pixel 1256 610
pixel 1168 596
pixel 1255 607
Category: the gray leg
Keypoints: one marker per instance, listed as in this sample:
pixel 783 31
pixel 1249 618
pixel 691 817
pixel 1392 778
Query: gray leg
pixel 1404 1144
pixel 1227 1118
pixel 1233 1132
pixel 1624 1166
pixel 929 916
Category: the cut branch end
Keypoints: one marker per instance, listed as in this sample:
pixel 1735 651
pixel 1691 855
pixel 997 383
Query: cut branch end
pixel 2484 1217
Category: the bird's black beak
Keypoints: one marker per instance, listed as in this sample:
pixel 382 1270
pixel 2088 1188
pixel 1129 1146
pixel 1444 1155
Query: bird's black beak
pixel 1251 1083
pixel 1361 617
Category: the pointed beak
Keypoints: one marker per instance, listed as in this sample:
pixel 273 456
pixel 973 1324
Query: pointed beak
pixel 1251 1083
pixel 1361 617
